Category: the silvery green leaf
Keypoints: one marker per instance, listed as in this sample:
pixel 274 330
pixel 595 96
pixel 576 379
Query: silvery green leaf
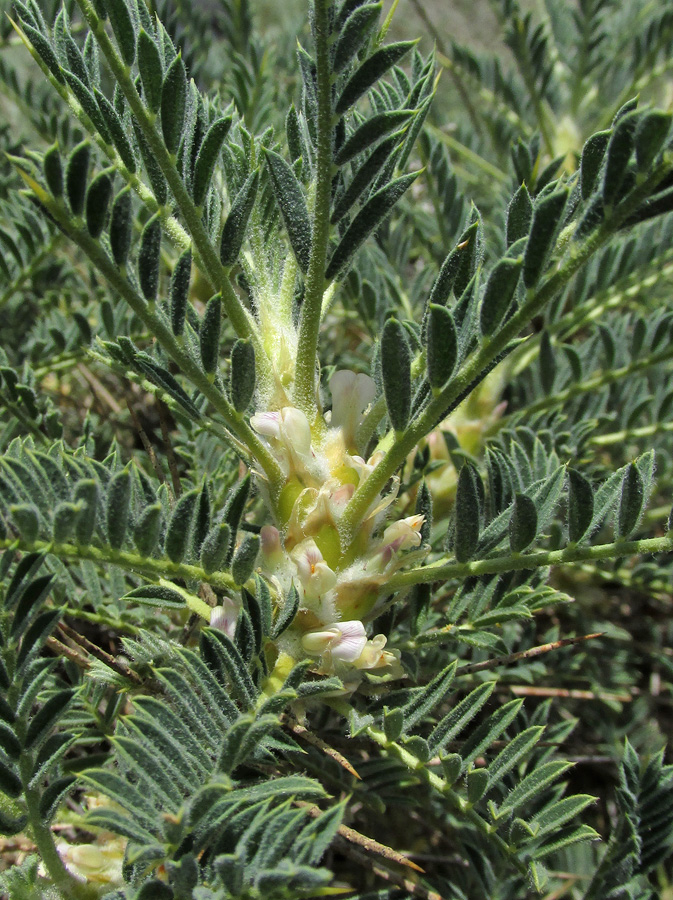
pixel 292 203
pixel 369 72
pixel 76 174
pixel 173 104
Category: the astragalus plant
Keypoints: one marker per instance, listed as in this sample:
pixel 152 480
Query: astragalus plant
pixel 254 334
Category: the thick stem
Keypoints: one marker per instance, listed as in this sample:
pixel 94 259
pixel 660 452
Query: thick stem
pixel 534 560
pixel 309 324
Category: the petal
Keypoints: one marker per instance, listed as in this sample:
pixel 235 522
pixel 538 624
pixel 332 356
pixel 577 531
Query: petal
pixel 266 423
pixel 296 431
pixel 322 580
pixel 307 556
pixel 372 653
pixel 317 642
pixel 224 617
pixel 351 395
pixel 404 533
pixel 351 642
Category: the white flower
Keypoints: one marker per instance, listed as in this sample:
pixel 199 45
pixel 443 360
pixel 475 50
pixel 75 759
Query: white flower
pixel 345 643
pixel 224 617
pixel 315 575
pixel 403 534
pixel 339 498
pixel 351 395
pixel 289 434
pixel 295 430
pixel 267 423
pixel 340 642
pixel 94 863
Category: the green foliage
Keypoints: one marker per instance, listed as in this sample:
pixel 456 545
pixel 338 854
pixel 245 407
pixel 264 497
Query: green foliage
pixel 259 609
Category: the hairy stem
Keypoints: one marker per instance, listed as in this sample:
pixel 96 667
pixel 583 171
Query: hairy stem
pixel 536 300
pixel 160 329
pixel 241 319
pixel 309 323
pixel 537 559
pixel 69 887
pixel 125 559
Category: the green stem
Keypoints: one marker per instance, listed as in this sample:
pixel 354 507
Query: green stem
pixel 441 786
pixel 468 154
pixel 630 434
pixel 309 323
pixel 26 273
pixel 486 96
pixel 286 298
pixel 60 362
pixel 69 887
pixel 644 75
pixel 241 319
pixel 158 327
pixel 536 300
pixel 100 619
pixel 592 384
pixel 525 67
pixel 125 559
pixel 537 559
pixel 618 296
pixel 180 414
pixel 176 233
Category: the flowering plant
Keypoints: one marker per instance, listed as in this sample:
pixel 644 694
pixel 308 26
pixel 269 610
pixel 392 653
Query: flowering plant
pixel 405 443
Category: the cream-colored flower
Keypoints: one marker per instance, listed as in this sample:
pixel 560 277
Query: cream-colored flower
pixel 344 644
pixel 403 534
pixel 267 423
pixel 289 433
pixel 351 395
pixel 94 863
pixel 315 575
pixel 373 655
pixel 341 642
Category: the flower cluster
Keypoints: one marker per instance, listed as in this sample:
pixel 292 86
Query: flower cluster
pixel 339 589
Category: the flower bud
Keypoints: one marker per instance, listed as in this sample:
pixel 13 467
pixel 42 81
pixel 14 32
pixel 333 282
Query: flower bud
pixel 224 617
